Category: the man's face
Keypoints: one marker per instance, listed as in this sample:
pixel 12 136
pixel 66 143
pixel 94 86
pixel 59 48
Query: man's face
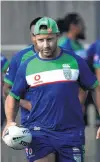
pixel 46 44
pixel 80 31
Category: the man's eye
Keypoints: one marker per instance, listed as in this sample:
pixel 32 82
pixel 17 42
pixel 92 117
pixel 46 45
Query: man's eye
pixel 40 39
pixel 50 39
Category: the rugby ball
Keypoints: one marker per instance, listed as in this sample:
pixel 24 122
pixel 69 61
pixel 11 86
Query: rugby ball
pixel 17 137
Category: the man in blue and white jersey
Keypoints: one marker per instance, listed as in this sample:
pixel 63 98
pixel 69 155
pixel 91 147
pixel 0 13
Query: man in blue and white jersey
pixel 52 77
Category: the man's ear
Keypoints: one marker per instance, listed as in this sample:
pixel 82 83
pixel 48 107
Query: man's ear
pixel 58 35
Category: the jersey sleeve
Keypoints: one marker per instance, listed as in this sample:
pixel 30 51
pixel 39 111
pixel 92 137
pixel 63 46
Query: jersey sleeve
pixel 4 63
pixel 86 78
pixel 91 50
pixel 20 84
pixel 11 71
pixel 96 61
pixel 96 58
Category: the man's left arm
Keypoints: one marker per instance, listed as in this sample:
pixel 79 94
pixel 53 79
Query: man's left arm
pixel 89 81
pixel 97 90
pixel 86 77
pixel 96 65
pixel 97 98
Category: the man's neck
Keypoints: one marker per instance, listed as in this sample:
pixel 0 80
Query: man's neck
pixel 71 36
pixel 35 49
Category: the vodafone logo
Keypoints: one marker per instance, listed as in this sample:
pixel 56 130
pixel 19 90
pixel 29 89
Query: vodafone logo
pixel 37 77
pixel 37 80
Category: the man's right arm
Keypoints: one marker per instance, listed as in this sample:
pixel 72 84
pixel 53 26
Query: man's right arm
pixel 11 108
pixel 6 90
pixel 9 81
pixel 10 76
pixel 24 103
pixel 96 65
pixel 20 86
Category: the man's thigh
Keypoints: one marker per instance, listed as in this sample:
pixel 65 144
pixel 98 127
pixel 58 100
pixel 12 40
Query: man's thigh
pixel 48 158
pixel 39 150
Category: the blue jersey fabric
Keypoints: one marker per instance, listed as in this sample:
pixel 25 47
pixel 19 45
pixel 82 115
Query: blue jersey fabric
pixel 93 58
pixel 15 63
pixel 12 70
pixel 55 106
pixel 4 62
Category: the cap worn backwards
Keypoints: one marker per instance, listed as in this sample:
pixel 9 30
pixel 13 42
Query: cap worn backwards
pixel 51 26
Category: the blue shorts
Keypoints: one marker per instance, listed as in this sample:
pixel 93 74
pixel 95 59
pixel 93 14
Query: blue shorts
pixel 64 149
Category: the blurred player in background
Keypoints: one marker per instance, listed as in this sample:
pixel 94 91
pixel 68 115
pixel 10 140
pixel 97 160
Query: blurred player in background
pixel 56 119
pixel 74 31
pixel 4 65
pixel 16 60
pixel 60 23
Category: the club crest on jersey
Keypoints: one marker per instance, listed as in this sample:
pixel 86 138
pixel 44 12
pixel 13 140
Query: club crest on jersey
pixel 67 71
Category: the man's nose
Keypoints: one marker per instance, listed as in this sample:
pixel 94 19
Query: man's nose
pixel 46 44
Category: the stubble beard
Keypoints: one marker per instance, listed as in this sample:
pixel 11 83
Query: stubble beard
pixel 51 55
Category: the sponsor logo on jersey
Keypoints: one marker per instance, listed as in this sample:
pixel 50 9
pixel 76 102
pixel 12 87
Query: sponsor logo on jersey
pixel 37 77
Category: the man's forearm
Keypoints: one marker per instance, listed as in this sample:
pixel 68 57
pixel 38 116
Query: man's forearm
pixel 6 89
pixel 11 108
pixel 97 91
